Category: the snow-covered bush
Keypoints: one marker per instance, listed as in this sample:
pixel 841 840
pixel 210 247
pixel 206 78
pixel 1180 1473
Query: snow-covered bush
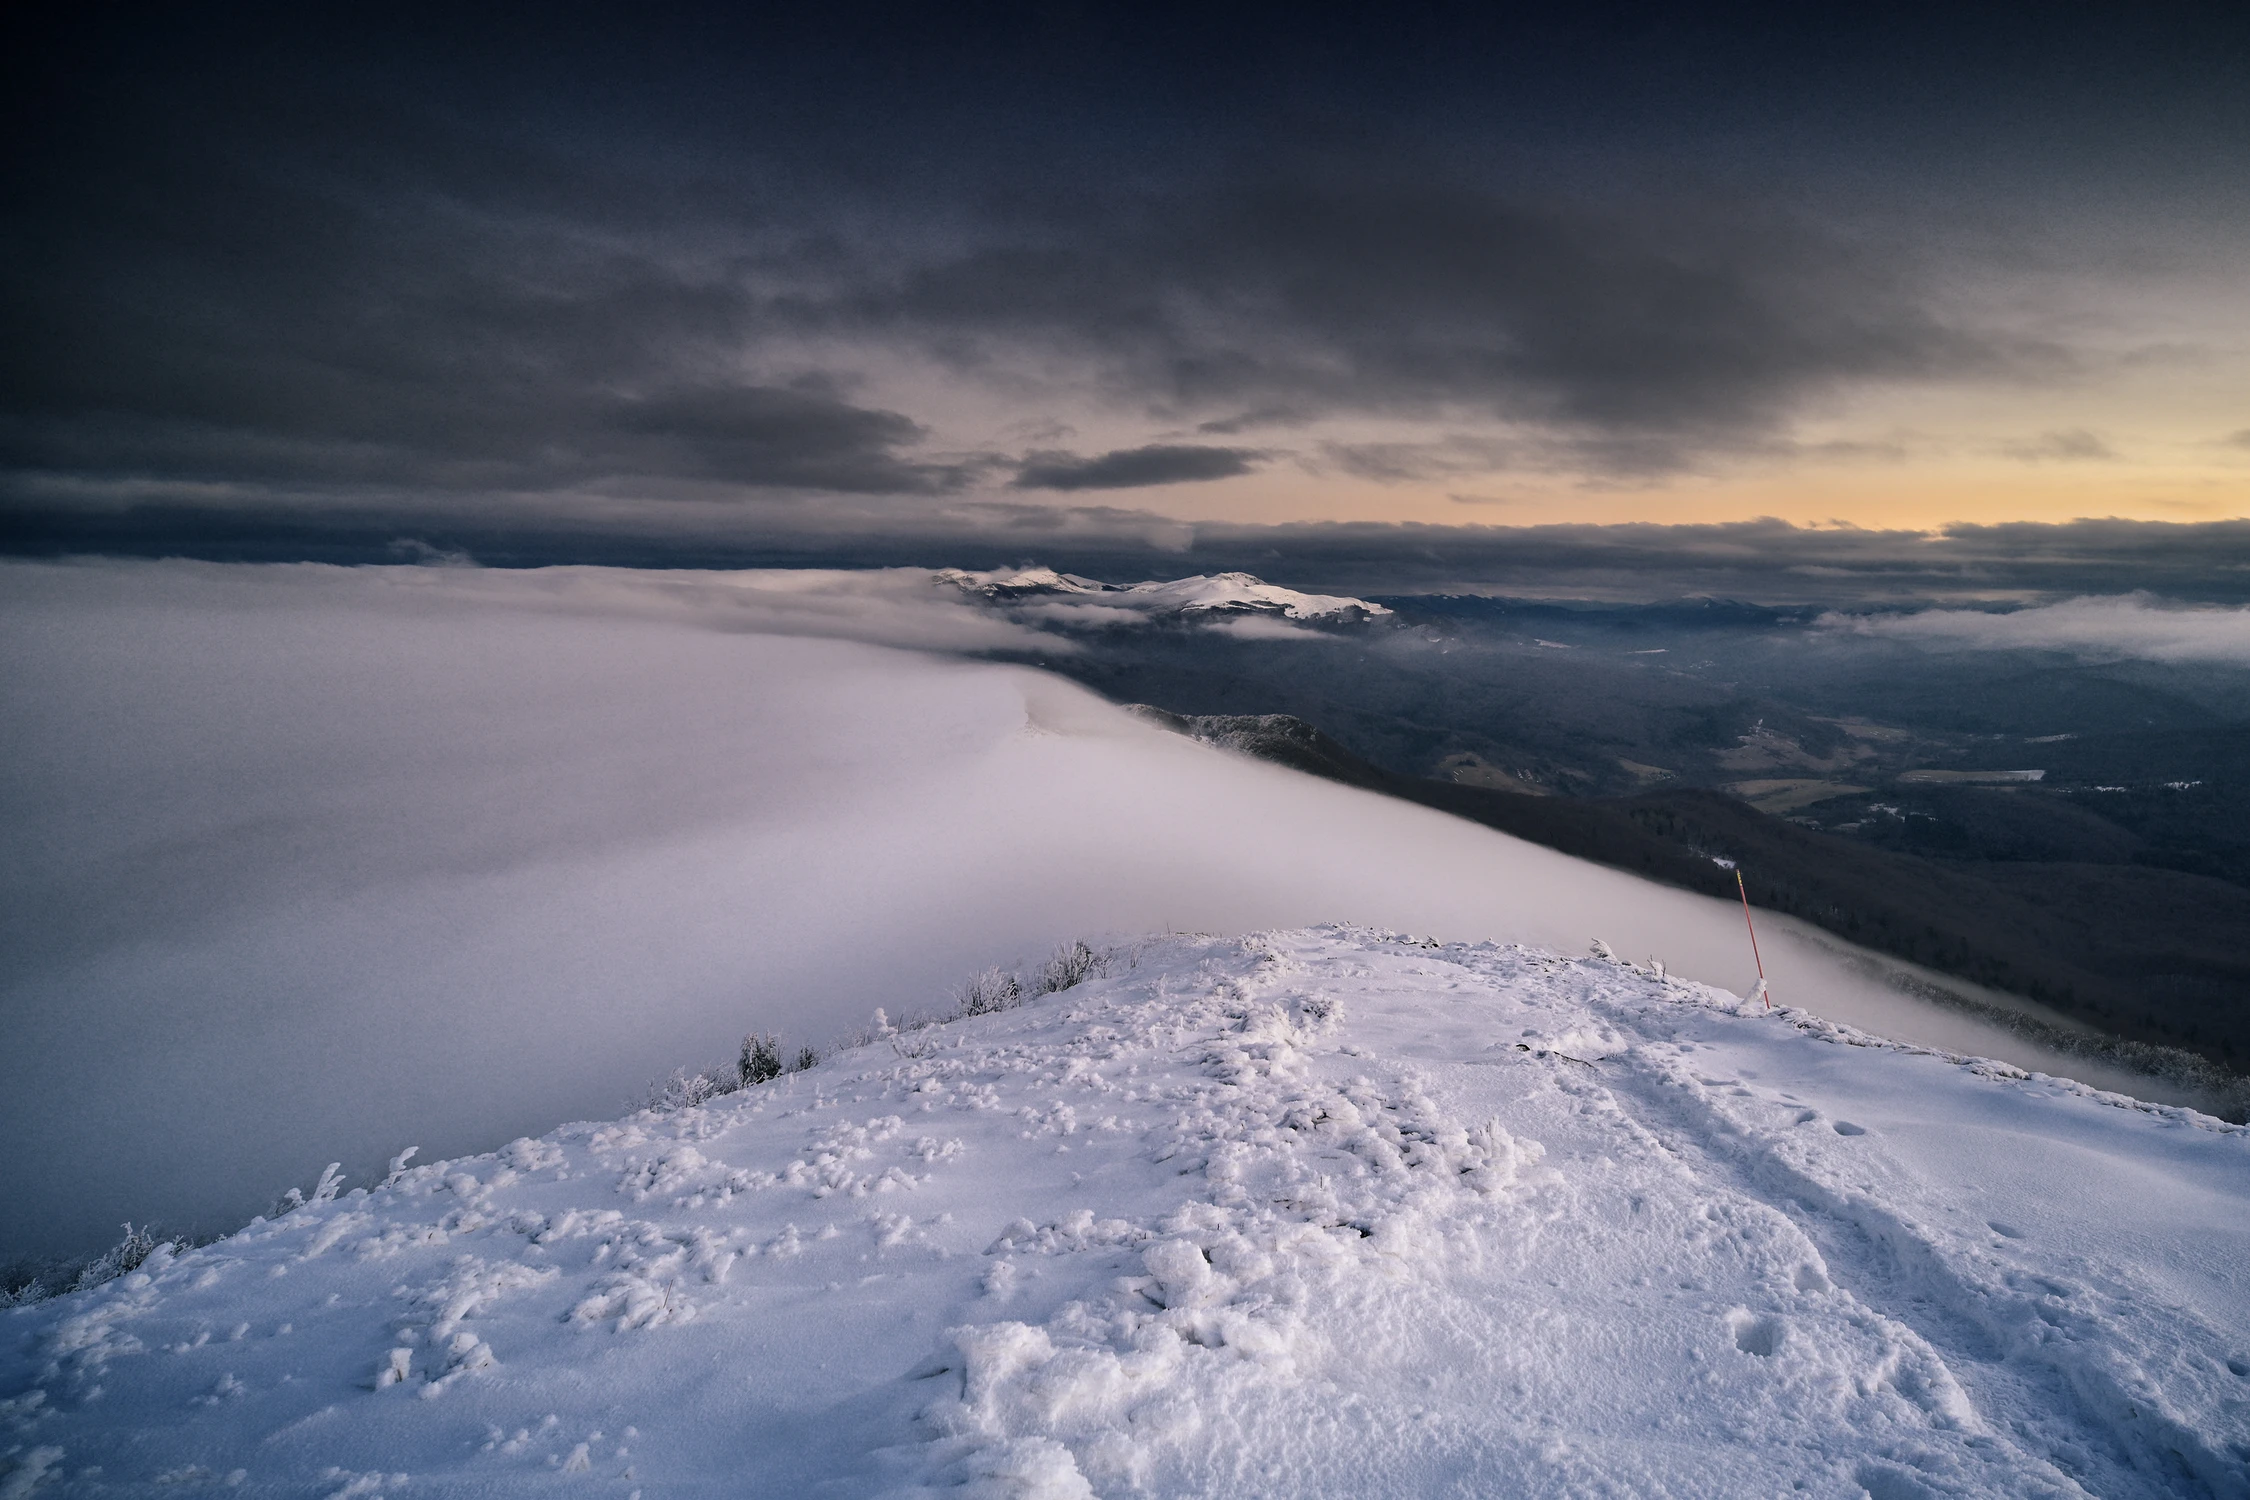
pixel 324 1191
pixel 23 1283
pixel 994 990
pixel 1073 963
pixel 686 1089
pixel 28 1279
pixel 760 1060
pixel 125 1256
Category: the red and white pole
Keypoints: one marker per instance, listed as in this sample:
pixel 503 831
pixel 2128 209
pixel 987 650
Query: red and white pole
pixel 1761 963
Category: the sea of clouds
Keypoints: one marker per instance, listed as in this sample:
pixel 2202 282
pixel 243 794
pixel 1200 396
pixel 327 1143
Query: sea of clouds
pixel 309 863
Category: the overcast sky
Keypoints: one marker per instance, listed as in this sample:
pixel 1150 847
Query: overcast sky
pixel 945 287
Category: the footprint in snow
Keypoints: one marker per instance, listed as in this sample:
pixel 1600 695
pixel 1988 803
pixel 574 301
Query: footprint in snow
pixel 1755 1335
pixel 1846 1127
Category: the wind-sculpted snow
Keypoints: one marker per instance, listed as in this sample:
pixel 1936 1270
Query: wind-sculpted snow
pixel 1306 1213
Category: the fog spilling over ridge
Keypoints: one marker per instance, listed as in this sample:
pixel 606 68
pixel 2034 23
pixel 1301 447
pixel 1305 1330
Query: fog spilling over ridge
pixel 312 863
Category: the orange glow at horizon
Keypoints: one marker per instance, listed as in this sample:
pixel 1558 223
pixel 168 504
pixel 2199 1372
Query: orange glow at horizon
pixel 1904 497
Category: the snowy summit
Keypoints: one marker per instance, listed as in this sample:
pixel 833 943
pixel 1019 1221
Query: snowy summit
pixel 1306 1213
pixel 1206 595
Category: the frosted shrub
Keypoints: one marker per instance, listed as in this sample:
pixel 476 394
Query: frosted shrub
pixel 24 1281
pixel 685 1090
pixel 993 990
pixel 125 1256
pixel 761 1058
pixel 1073 963
pixel 324 1191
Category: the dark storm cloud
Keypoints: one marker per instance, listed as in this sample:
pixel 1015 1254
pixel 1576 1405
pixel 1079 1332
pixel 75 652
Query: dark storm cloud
pixel 731 435
pixel 475 253
pixel 306 263
pixel 1132 468
pixel 1640 336
pixel 316 332
pixel 266 325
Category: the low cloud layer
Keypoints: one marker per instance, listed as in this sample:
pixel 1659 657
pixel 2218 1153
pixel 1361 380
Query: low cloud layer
pixel 2127 626
pixel 313 864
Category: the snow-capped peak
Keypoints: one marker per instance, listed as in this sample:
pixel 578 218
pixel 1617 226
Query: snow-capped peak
pixel 1243 592
pixel 1015 583
pixel 1204 594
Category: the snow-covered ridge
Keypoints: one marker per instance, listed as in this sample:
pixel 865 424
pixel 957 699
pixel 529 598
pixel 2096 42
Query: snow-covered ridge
pixel 1306 1213
pixel 1211 595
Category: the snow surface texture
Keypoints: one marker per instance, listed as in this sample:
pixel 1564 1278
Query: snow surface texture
pixel 1321 1212
pixel 311 863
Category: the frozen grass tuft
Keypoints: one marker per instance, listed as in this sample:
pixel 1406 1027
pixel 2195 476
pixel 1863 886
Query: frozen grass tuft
pixel 126 1256
pixel 996 989
pixel 25 1282
pixel 686 1089
pixel 986 994
pixel 1072 964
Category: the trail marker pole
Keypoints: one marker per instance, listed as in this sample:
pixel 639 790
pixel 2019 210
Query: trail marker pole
pixel 1761 963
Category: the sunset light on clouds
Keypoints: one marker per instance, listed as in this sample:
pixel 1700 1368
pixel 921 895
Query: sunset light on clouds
pixel 741 288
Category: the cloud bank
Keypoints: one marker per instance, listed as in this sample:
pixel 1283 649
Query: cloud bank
pixel 2124 626
pixel 310 863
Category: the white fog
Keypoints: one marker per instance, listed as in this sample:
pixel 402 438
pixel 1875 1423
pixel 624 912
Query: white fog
pixel 309 864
